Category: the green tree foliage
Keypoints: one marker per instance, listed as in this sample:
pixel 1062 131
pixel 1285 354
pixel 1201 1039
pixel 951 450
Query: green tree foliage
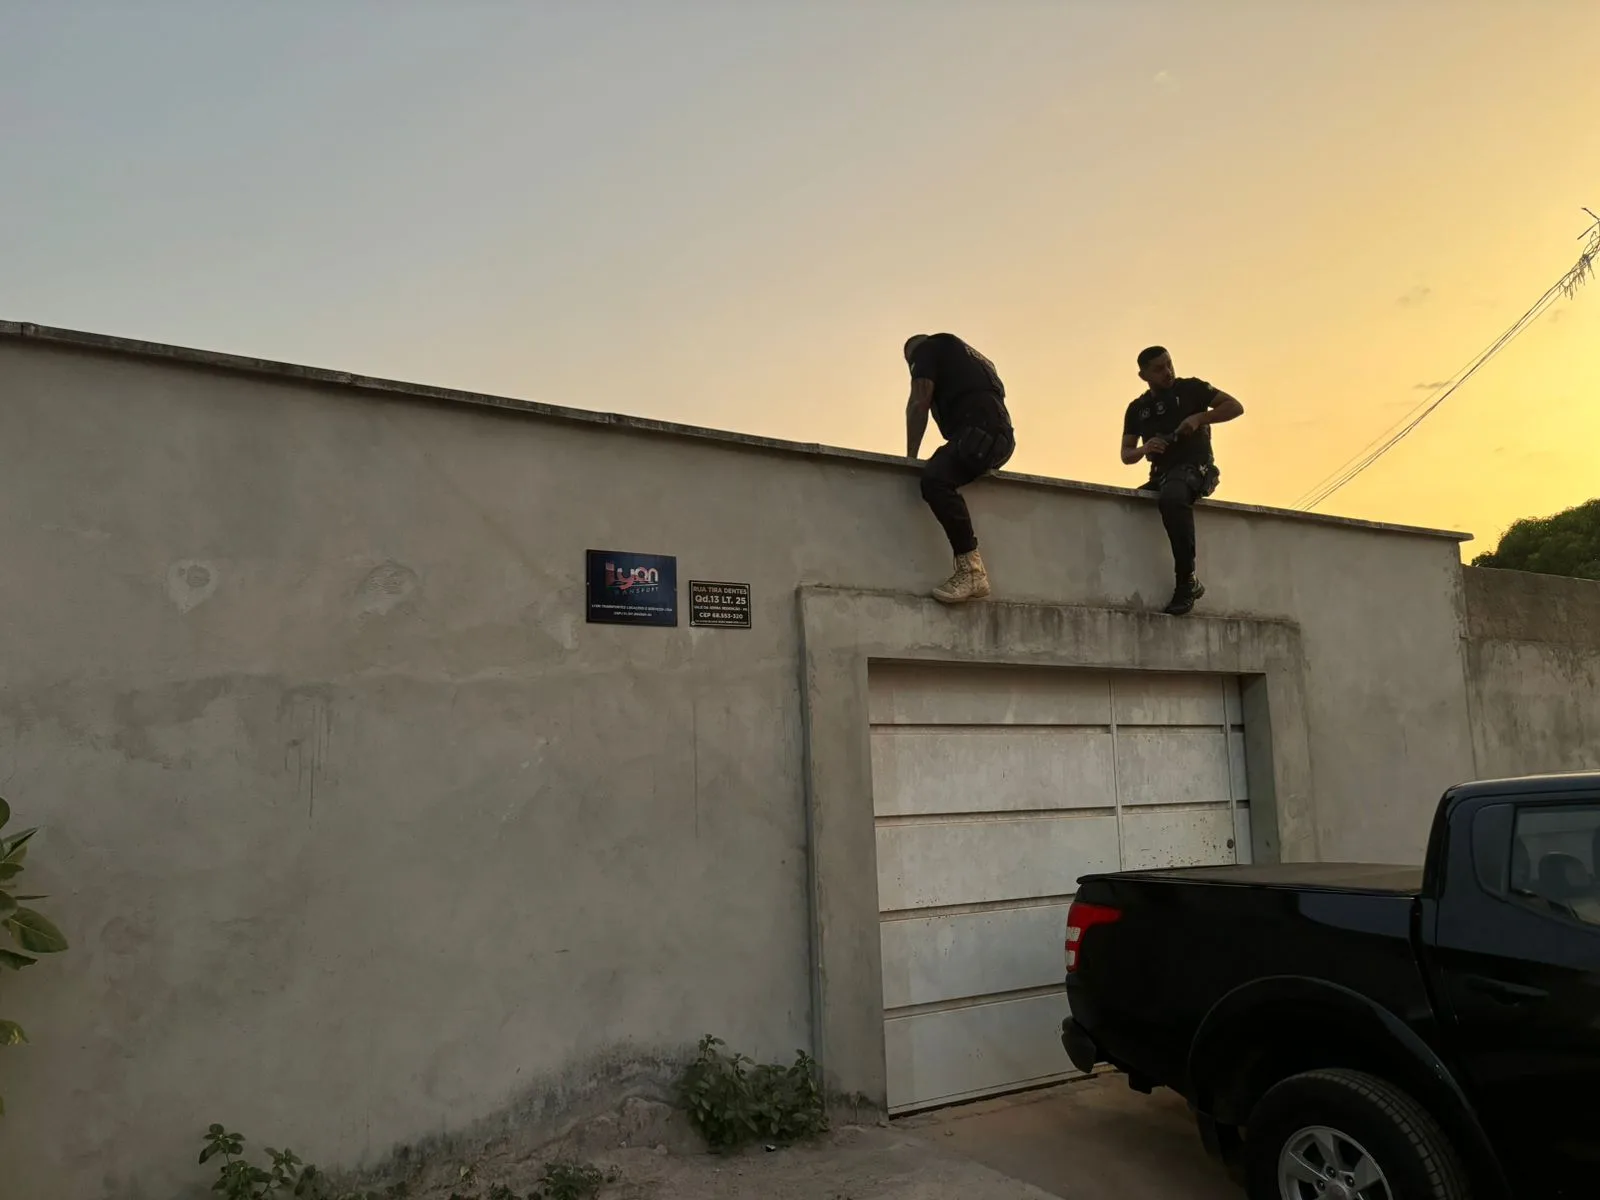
pixel 1565 544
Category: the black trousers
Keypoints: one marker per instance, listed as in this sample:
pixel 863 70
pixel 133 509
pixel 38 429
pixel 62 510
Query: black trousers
pixel 970 454
pixel 1177 491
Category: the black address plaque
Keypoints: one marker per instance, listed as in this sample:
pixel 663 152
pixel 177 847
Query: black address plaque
pixel 723 605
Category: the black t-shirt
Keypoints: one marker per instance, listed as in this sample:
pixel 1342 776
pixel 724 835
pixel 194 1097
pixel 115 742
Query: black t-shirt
pixel 967 391
pixel 1158 414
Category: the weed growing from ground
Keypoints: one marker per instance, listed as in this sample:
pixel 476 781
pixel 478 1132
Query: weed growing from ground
pixel 564 1180
pixel 285 1175
pixel 734 1101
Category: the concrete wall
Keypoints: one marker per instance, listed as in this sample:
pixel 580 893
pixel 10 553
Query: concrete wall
pixel 1533 671
pixel 361 835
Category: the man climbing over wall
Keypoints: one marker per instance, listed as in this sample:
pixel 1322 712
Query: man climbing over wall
pixel 962 390
pixel 1171 426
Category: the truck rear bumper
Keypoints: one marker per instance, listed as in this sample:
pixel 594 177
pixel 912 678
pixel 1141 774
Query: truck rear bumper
pixel 1079 1046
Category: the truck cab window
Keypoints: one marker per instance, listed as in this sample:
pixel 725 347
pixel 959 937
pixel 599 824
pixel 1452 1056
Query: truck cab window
pixel 1555 860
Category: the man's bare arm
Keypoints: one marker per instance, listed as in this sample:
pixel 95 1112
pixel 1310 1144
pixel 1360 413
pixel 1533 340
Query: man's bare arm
pixel 1223 408
pixel 1132 452
pixel 917 414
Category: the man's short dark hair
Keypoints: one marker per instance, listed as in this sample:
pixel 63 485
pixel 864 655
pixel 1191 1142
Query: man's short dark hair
pixel 911 341
pixel 1149 354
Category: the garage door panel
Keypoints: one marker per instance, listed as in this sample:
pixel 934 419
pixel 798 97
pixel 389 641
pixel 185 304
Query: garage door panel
pixel 1241 822
pixel 1177 838
pixel 925 865
pixel 923 771
pixel 1171 766
pixel 928 960
pixel 934 1057
pixel 994 790
pixel 941 695
pixel 1152 699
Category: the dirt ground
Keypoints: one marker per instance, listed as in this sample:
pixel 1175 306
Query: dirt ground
pixel 854 1163
pixel 1091 1140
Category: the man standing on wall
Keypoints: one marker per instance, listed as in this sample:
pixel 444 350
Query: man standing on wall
pixel 1171 426
pixel 962 390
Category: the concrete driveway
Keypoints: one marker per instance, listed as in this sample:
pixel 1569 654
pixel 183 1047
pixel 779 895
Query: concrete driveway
pixel 1091 1140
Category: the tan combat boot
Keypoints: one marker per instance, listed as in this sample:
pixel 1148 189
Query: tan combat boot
pixel 970 581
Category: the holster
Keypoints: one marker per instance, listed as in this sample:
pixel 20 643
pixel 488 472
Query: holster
pixel 976 445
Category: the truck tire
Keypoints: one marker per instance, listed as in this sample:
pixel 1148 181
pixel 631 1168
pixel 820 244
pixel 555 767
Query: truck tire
pixel 1344 1135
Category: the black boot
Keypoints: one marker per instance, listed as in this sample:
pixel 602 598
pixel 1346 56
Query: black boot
pixel 1184 595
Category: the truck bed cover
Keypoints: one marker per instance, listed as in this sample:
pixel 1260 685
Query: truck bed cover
pixel 1385 878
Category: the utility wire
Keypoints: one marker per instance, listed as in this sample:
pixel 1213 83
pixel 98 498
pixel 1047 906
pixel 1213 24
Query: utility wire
pixel 1566 286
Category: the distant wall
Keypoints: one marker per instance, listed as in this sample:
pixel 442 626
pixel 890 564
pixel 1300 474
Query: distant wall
pixel 1532 648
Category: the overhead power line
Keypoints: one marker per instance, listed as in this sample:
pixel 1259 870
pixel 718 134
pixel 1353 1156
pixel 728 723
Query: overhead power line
pixel 1566 287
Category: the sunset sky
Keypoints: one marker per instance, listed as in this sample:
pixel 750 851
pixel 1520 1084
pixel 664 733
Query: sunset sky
pixel 733 213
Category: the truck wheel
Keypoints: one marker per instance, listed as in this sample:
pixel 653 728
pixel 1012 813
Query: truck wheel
pixel 1343 1135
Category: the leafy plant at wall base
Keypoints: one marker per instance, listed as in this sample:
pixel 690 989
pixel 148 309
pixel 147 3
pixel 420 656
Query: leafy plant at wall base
pixel 30 931
pixel 287 1175
pixel 733 1101
pixel 562 1180
pixel 239 1179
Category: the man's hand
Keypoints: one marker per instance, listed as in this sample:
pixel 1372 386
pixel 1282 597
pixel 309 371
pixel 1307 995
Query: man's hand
pixel 1193 424
pixel 1154 447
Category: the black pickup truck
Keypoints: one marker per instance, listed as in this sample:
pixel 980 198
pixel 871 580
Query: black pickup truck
pixel 1387 1033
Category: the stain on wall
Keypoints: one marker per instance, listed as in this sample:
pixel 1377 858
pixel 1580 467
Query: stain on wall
pixel 191 583
pixel 307 717
pixel 386 588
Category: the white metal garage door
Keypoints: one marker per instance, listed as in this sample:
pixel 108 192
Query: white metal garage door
pixel 993 790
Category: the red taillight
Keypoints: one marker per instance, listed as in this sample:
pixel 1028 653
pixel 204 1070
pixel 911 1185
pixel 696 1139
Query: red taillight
pixel 1080 919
